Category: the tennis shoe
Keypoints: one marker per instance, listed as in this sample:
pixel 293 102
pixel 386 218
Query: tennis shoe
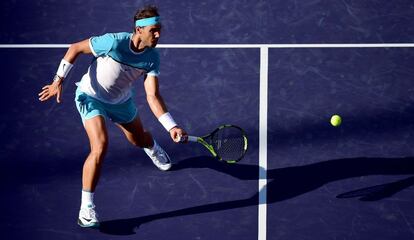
pixel 159 157
pixel 88 218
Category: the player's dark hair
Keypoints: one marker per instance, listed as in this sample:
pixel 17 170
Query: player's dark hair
pixel 146 12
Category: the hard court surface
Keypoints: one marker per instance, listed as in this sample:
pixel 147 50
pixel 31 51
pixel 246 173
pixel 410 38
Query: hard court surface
pixel 350 182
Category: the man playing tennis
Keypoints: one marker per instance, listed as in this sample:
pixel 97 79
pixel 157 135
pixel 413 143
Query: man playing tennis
pixel 104 92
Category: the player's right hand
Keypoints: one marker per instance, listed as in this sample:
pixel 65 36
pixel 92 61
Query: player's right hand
pixel 51 90
pixel 178 135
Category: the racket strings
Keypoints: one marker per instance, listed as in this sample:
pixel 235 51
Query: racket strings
pixel 229 144
pixel 232 149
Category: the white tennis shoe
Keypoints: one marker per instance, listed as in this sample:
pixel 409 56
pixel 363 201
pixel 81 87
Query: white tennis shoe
pixel 88 218
pixel 159 157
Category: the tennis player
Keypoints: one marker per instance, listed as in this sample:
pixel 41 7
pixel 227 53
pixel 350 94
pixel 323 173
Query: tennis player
pixel 104 93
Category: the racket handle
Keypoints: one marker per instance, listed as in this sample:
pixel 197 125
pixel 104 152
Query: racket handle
pixel 192 139
pixel 189 138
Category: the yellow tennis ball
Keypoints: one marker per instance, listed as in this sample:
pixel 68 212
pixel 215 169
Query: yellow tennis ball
pixel 336 120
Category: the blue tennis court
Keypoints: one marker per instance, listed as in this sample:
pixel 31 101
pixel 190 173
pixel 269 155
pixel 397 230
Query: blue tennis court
pixel 269 67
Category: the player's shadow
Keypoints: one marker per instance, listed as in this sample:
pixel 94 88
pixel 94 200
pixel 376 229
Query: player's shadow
pixel 283 184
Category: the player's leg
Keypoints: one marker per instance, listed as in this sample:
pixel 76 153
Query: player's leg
pixel 98 139
pixel 137 136
pixel 93 114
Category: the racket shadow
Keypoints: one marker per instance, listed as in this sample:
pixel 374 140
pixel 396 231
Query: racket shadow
pixel 287 183
pixel 283 184
pixel 379 192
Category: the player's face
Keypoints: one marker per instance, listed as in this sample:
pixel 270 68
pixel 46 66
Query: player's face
pixel 150 35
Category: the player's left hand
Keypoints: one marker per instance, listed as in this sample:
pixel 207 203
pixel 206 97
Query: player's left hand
pixel 178 135
pixel 54 89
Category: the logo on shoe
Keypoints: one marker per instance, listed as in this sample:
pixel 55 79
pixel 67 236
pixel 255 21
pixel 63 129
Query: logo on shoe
pixel 87 219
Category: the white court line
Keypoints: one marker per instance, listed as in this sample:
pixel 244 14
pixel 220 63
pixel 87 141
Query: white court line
pixel 264 64
pixel 327 45
pixel 34 45
pixel 319 45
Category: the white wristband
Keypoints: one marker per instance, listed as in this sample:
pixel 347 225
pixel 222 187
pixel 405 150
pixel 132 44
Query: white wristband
pixel 64 68
pixel 167 121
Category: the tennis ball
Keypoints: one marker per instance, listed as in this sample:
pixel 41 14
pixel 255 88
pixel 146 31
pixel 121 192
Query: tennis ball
pixel 336 120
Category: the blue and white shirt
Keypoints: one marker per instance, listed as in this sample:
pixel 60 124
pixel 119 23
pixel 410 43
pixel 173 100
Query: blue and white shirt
pixel 110 77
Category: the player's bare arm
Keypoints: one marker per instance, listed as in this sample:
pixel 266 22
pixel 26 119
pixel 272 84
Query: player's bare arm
pixel 158 107
pixel 55 88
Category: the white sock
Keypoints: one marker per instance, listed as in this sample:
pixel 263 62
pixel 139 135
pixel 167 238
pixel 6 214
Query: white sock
pixel 87 199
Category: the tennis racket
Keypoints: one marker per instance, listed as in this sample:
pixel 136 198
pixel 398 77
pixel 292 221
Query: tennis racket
pixel 226 143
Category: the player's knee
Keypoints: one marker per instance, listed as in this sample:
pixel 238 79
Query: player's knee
pixel 98 152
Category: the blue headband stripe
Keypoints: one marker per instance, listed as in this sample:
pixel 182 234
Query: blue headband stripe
pixel 147 21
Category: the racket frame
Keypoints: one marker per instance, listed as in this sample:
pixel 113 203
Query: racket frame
pixel 210 148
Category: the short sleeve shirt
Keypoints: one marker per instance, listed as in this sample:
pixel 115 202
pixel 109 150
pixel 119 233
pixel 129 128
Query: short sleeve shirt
pixel 116 66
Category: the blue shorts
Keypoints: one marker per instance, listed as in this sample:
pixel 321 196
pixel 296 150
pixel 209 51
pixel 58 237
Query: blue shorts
pixel 89 107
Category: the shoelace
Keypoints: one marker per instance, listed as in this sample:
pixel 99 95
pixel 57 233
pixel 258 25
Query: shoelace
pixel 157 152
pixel 92 213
